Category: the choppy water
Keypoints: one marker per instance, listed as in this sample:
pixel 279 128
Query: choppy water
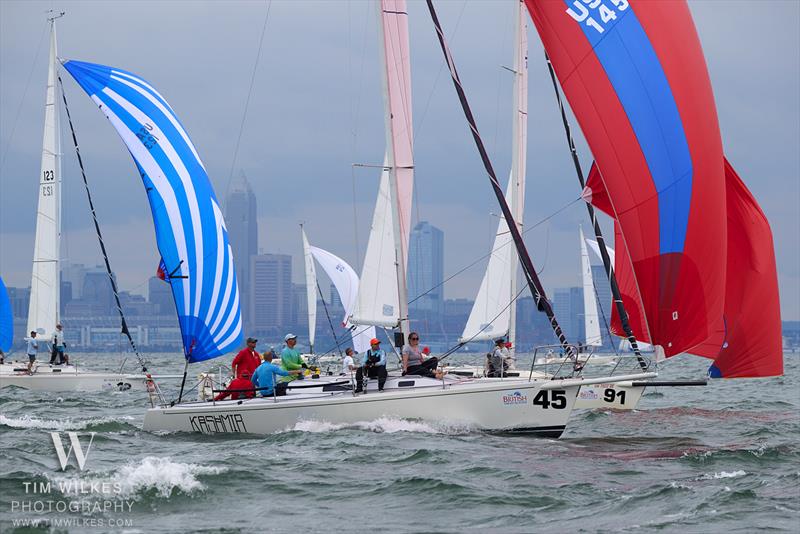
pixel 721 458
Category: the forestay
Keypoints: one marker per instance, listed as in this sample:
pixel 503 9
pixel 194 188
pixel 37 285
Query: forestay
pixel 189 226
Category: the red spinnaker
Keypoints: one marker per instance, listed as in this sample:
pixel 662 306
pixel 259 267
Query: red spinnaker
pixel 636 79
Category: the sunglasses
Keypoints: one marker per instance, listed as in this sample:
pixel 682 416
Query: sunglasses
pixel 414 338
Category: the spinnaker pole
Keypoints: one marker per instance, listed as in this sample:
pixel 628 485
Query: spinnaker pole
pixel 598 233
pixel 535 285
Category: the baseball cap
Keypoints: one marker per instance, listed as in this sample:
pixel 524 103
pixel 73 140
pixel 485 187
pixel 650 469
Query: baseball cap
pixel 374 341
pixel 289 336
pixel 499 341
pixel 252 340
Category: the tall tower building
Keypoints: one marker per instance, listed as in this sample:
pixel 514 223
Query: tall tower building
pixel 568 308
pixel 426 273
pixel 271 292
pixel 242 224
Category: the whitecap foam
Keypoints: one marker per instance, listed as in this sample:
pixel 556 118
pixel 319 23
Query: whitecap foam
pixel 723 474
pixel 150 473
pixel 26 421
pixel 387 425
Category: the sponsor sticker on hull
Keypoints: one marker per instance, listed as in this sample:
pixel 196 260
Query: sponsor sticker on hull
pixel 514 398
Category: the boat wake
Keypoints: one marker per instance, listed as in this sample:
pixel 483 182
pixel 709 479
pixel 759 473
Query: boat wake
pixel 149 477
pixel 382 425
pixel 99 423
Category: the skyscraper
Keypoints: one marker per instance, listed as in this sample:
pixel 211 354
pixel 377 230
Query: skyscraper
pixel 242 224
pixel 568 308
pixel 271 292
pixel 425 274
pixel 159 293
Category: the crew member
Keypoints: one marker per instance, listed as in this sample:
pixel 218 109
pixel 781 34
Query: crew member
pixel 32 349
pixel 290 358
pixel 348 363
pixel 238 388
pixel 497 359
pixel 57 354
pixel 414 361
pixel 247 360
pixel 374 362
pixel 264 377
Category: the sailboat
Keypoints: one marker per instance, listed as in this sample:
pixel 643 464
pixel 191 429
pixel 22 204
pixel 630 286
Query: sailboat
pixel 44 306
pixel 534 405
pixel 346 282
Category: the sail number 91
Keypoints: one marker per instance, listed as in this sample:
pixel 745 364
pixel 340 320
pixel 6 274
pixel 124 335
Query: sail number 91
pixel 551 398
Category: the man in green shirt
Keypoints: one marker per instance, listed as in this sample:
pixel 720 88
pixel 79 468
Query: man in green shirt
pixel 290 358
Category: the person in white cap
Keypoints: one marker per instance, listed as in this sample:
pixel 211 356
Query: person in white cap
pixel 290 358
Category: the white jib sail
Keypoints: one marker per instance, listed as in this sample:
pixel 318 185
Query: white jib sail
pixel 43 311
pixel 490 315
pixel 345 280
pixel 590 315
pixel 596 249
pixel 311 290
pixel 494 314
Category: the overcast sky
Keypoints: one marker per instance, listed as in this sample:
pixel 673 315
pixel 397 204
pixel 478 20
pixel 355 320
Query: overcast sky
pixel 316 108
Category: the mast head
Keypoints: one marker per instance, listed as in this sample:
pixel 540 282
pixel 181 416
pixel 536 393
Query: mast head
pixel 52 15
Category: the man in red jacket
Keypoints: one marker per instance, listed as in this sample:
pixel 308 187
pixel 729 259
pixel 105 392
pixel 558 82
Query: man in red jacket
pixel 234 389
pixel 247 359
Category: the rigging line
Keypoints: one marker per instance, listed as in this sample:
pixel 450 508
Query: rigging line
pixel 249 94
pixel 501 312
pixel 328 315
pixel 612 279
pixel 124 323
pixel 507 243
pixel 534 284
pixel 438 74
pixel 22 100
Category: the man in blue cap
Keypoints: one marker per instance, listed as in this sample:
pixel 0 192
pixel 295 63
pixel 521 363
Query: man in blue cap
pixel 265 377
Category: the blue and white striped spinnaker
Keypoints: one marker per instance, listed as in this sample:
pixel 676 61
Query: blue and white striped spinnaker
pixel 6 319
pixel 190 230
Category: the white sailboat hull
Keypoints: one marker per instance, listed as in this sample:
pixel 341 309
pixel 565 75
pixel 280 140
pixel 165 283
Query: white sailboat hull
pixel 69 378
pixel 504 406
pixel 540 407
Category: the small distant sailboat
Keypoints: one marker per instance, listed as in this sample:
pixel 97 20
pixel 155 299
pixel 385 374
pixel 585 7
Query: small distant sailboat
pixel 44 307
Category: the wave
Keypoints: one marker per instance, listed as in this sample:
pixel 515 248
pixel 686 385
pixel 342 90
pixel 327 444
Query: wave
pixel 384 425
pixel 26 421
pixel 150 476
pixel 723 474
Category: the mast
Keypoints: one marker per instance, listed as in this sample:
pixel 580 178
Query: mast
pixel 535 285
pixel 45 299
pixel 311 290
pixel 518 151
pixel 394 48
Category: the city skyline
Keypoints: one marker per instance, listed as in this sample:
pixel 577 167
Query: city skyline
pixel 300 167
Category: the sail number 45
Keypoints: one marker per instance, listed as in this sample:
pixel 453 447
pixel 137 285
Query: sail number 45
pixel 551 398
pixel 584 11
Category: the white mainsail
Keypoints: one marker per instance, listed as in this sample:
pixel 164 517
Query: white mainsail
pixel 311 290
pixel 345 280
pixel 43 311
pixel 590 315
pixel 383 296
pixel 494 313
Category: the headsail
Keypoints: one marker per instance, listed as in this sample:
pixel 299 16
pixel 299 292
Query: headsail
pixel 190 229
pixel 44 307
pixel 6 319
pixel 311 289
pixel 494 312
pixel 590 315
pixel 345 280
pixel 636 79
